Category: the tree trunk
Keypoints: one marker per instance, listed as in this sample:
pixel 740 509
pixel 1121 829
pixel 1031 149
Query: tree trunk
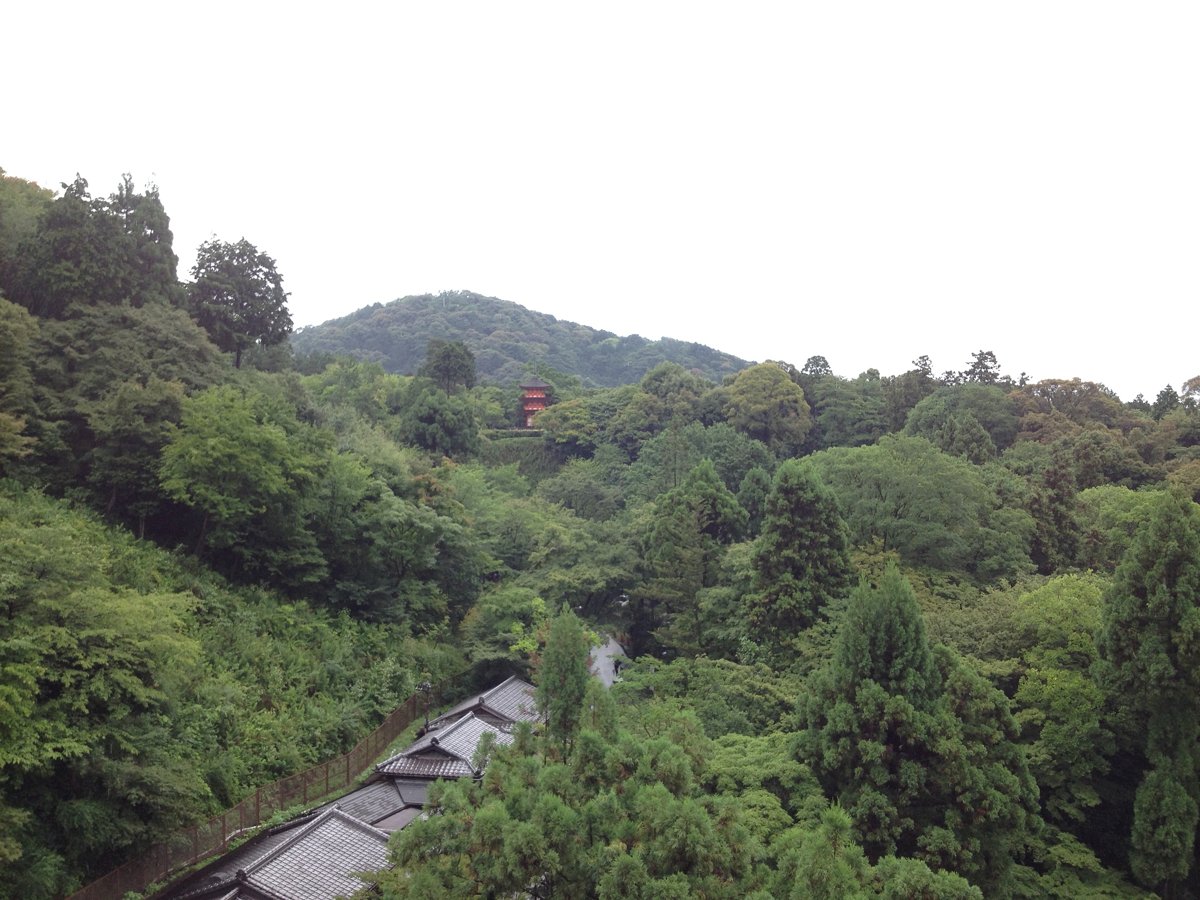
pixel 203 535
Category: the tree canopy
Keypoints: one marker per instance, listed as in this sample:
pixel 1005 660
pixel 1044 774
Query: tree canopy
pixel 237 296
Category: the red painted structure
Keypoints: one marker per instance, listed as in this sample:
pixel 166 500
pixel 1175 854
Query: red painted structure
pixel 534 400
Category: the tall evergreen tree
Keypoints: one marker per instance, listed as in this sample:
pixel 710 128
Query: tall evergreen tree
pixel 919 750
pixel 801 561
pixel 1151 639
pixel 562 678
pixel 872 721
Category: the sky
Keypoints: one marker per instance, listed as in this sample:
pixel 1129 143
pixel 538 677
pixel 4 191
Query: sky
pixel 865 181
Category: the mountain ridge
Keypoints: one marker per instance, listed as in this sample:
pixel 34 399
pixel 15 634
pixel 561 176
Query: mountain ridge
pixel 508 340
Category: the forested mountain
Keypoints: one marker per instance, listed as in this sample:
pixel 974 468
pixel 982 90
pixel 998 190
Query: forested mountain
pixel 508 341
pixel 891 635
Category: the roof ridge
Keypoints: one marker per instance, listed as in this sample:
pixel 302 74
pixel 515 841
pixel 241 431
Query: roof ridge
pixel 493 690
pixel 301 833
pixel 358 823
pixel 437 738
pixel 432 740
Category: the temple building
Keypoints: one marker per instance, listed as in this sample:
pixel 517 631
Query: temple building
pixel 534 400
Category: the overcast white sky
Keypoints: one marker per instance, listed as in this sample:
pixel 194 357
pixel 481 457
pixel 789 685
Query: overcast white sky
pixel 865 181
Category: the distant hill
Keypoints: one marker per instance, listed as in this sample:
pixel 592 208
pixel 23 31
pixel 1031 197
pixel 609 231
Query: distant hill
pixel 505 338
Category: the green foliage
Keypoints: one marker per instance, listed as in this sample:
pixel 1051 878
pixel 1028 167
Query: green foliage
pixel 1109 516
pixel 846 413
pixel 932 508
pixel 438 422
pixel 132 424
pixel 728 697
pixel 1061 707
pixel 562 678
pixel 1151 640
pixel 951 417
pixel 22 204
pixel 765 404
pixel 449 364
pixel 505 339
pixel 501 629
pixel 361 386
pixel 232 463
pixel 919 749
pixel 883 640
pixel 136 696
pixel 18 330
pixel 800 559
pixel 584 486
pixel 98 252
pixel 78 361
pixel 665 460
pixel 619 818
pixel 237 296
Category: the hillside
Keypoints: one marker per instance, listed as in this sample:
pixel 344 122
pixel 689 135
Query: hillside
pixel 506 339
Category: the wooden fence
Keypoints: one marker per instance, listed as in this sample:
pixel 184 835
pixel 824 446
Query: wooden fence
pixel 197 842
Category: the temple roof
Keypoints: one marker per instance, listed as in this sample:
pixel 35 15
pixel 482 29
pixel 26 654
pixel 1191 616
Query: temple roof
pixel 446 752
pixel 314 859
pixel 510 701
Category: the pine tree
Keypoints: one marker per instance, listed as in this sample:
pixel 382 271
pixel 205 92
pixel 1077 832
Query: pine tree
pixel 801 560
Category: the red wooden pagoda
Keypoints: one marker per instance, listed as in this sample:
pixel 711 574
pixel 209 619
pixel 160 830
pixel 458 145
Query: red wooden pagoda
pixel 534 400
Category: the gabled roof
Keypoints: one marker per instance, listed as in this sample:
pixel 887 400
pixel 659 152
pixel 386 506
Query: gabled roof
pixel 512 700
pixel 315 859
pixel 371 802
pixel 446 752
pixel 320 860
pixel 218 880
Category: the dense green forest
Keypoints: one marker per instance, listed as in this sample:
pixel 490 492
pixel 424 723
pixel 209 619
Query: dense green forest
pixel 900 635
pixel 506 340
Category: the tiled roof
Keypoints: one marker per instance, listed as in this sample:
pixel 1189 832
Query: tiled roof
pixel 371 802
pixel 510 701
pixel 217 879
pixel 427 767
pixel 312 858
pixel 445 753
pixel 318 862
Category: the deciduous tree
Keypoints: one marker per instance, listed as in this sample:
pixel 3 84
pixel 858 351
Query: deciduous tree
pixel 237 295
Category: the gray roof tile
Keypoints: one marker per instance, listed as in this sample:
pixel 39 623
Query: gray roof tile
pixel 427 767
pixel 371 802
pixel 512 700
pixel 223 873
pixel 319 862
pixel 445 753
